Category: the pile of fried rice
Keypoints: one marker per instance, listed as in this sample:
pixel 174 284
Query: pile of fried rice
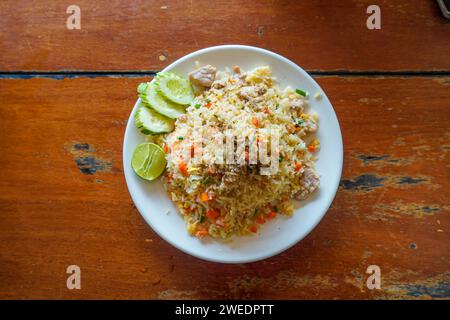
pixel 226 199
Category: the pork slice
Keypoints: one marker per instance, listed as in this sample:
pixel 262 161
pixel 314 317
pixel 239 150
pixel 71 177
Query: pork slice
pixel 203 76
pixel 311 182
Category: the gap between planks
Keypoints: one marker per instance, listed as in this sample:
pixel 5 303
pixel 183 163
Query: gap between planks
pixel 140 73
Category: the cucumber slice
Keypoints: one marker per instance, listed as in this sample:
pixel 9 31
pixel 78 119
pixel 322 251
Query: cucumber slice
pixel 174 88
pixel 151 122
pixel 147 92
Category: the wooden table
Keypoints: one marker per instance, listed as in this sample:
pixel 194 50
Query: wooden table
pixel 66 95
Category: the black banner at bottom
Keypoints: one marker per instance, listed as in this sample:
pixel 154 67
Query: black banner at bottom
pixel 226 309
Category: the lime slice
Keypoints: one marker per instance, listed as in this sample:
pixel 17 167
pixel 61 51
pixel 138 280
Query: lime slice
pixel 148 161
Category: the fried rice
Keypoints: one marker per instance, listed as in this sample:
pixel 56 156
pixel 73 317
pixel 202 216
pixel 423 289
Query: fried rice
pixel 226 199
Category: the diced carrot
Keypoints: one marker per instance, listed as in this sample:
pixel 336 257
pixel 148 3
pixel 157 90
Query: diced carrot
pixel 192 150
pixel 190 209
pixel 260 220
pixel 255 122
pixel 166 148
pixel 271 215
pixel 208 105
pixel 253 229
pixel 298 166
pixel 212 214
pixel 201 233
pixel 266 110
pixel 183 168
pixel 311 148
pixel 204 196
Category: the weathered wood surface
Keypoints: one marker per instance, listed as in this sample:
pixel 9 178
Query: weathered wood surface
pixel 63 199
pixel 147 35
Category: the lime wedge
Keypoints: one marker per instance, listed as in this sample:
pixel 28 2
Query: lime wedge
pixel 148 161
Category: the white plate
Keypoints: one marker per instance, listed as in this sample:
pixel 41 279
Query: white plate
pixel 276 235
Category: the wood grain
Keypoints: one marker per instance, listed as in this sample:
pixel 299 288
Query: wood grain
pixel 63 200
pixel 148 35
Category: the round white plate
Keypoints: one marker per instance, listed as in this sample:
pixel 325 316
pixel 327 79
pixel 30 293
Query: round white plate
pixel 277 235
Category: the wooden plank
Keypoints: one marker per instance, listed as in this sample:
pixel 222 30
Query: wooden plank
pixel 63 200
pixel 124 35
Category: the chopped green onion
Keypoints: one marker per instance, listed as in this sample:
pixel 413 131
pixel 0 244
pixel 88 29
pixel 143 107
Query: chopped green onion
pixel 281 158
pixel 197 106
pixel 207 180
pixel 180 138
pixel 208 101
pixel 301 92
